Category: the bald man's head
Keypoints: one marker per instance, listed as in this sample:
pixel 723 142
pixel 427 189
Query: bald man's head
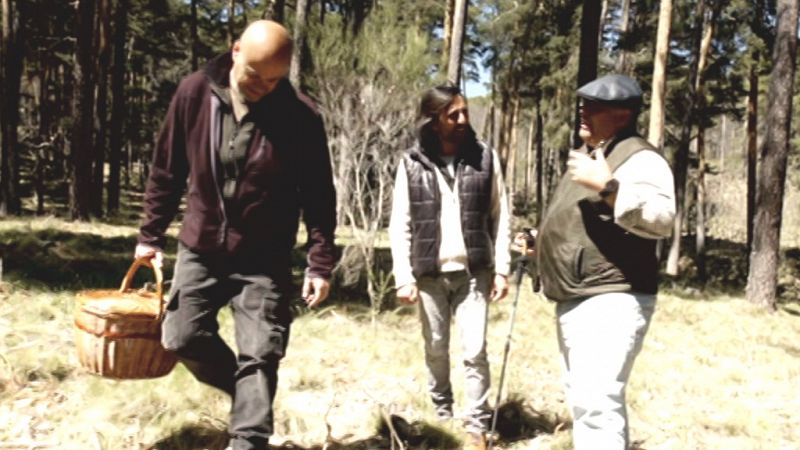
pixel 261 58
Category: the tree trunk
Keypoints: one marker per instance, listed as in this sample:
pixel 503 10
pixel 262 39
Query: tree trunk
pixel 117 105
pixel 103 62
pixel 762 278
pixel 232 22
pixel 700 235
pixel 275 10
pixel 81 145
pixel 700 205
pixel 540 173
pixel 656 132
pixel 503 125
pixel 193 34
pixel 529 159
pixel 623 64
pixel 447 38
pixel 358 12
pixel 552 175
pixel 681 159
pixel 511 161
pixel 587 65
pixel 127 159
pixel 133 142
pixel 486 126
pixel 45 139
pixel 603 14
pixel 295 75
pixel 723 143
pixel 493 110
pixel 5 31
pixel 11 61
pixel 62 105
pixel 457 44
pixel 752 144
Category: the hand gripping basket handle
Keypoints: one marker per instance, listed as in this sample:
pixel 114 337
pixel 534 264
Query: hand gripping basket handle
pixel 126 282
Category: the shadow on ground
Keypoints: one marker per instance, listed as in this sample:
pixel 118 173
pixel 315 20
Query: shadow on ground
pixel 412 435
pixel 58 259
pixel 193 437
pixel 726 272
pixel 516 422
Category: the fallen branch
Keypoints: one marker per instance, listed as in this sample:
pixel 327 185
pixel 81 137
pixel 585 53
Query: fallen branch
pixel 392 431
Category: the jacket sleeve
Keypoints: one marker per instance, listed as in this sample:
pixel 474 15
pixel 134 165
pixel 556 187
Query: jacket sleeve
pixel 318 201
pixel 400 230
pixel 645 204
pixel 501 218
pixel 168 173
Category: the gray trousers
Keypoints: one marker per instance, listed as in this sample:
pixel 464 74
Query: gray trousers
pixel 465 297
pixel 599 338
pixel 202 285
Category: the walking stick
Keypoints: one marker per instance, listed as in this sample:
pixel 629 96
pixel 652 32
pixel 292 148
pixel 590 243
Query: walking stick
pixel 519 272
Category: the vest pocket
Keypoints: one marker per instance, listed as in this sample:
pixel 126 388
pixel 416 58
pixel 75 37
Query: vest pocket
pixel 567 262
pixel 577 263
pixel 595 269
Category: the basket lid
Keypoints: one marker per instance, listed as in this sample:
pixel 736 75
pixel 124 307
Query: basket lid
pixel 112 303
pixel 125 302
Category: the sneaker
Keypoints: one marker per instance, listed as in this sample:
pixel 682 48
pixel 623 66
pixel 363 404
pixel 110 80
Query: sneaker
pixel 232 445
pixel 444 413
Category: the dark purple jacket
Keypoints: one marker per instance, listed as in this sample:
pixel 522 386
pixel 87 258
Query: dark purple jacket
pixel 288 170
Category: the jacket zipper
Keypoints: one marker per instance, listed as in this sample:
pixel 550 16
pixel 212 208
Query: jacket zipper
pixel 223 231
pixel 457 182
pixel 224 228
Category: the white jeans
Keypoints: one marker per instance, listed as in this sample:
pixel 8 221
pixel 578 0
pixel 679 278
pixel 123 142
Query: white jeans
pixel 599 338
pixel 465 297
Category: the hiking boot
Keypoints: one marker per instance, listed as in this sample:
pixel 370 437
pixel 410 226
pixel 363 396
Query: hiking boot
pixel 474 441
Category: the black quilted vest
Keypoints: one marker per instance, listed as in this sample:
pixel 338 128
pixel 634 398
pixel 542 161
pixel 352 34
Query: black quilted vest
pixel 581 251
pixel 474 177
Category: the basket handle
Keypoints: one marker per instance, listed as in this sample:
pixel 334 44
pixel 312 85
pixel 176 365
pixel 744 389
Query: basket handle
pixel 126 282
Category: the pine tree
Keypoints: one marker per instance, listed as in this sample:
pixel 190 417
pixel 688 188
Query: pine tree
pixel 762 279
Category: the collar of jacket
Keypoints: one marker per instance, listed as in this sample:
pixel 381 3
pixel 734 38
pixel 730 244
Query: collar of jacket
pixel 469 153
pixel 218 73
pixel 608 147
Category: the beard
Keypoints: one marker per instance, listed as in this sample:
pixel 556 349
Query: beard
pixel 457 135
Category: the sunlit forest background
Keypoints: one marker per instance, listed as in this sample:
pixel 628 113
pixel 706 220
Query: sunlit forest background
pixel 84 86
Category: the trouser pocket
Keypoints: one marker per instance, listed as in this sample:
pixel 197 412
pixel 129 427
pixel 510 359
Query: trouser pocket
pixel 261 319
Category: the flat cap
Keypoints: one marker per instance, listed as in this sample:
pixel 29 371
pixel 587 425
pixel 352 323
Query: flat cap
pixel 613 88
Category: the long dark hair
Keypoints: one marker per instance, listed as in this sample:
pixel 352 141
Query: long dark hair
pixel 434 101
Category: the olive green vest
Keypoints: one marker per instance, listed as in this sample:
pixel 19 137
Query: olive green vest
pixel 581 252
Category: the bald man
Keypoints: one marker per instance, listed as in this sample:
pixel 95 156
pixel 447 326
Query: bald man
pixel 254 154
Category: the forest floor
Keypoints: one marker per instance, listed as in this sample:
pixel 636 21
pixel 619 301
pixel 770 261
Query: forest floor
pixel 714 373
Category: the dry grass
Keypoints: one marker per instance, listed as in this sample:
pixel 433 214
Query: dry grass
pixel 728 207
pixel 714 373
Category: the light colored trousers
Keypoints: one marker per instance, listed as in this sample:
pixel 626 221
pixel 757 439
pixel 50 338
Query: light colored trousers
pixel 599 338
pixel 465 297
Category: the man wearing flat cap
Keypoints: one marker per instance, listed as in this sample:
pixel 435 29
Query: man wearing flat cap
pixel 596 252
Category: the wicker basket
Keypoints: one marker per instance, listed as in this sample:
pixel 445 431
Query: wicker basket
pixel 118 332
